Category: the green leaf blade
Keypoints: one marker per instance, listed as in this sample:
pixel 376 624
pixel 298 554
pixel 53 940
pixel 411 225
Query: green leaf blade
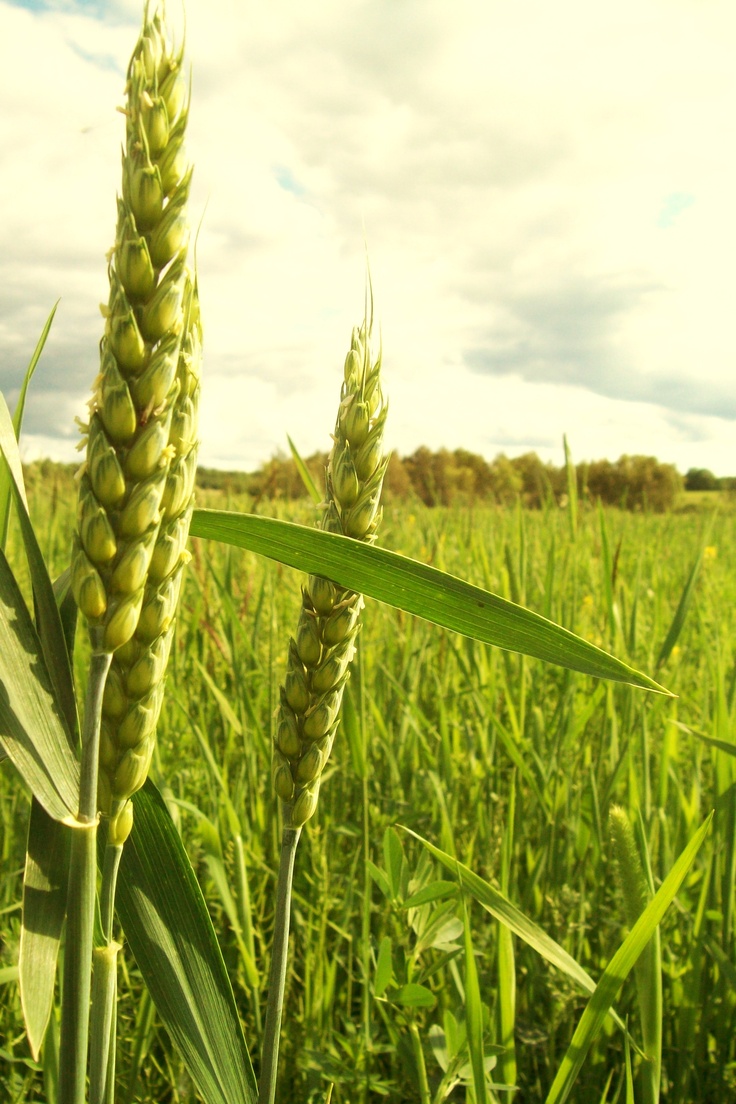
pixel 48 617
pixel 513 918
pixel 304 474
pixel 618 970
pixel 32 731
pixel 416 588
pixel 169 930
pixel 44 908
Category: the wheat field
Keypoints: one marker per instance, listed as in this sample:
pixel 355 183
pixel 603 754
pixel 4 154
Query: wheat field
pixel 507 763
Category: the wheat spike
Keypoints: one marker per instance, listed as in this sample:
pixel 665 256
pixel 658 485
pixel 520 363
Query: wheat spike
pixel 136 483
pixel 320 655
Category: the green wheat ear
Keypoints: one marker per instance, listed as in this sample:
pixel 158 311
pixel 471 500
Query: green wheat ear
pixel 136 483
pixel 320 655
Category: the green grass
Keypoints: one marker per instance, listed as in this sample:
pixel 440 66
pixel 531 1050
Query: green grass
pixel 438 733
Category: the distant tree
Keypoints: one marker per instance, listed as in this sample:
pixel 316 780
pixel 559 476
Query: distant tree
pixel 701 479
pixel 536 485
pixel 506 481
pixel 397 482
pixel 634 483
pixel 420 466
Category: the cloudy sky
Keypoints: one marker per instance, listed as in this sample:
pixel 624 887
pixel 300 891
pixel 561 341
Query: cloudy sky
pixel 546 192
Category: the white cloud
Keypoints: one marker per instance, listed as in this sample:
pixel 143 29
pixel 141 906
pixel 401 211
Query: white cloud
pixel 513 166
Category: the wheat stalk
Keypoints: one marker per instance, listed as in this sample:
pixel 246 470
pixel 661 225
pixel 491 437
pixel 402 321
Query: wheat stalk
pixel 320 654
pixel 135 493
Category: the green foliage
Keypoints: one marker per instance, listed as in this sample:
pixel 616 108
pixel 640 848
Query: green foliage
pixel 701 479
pixel 448 722
pixel 460 477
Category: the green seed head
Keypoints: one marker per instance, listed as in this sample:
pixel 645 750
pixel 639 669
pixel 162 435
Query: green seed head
pixel 158 611
pixel 323 594
pixel 116 410
pixel 353 371
pixel 142 508
pixel 171 235
pixel 109 754
pixel 140 720
pixel 305 804
pixel 129 573
pixel 122 617
pixel 127 568
pixel 362 519
pixel 115 699
pixel 154 383
pixel 628 865
pixel 124 338
pixel 183 426
pixel 174 93
pixel 308 645
pixel 94 528
pixel 321 716
pixel 332 670
pixel 345 482
pixel 287 732
pixel 161 315
pixel 354 420
pixel 143 191
pixel 179 485
pixel 155 119
pixel 370 454
pixel 148 671
pixel 170 547
pixel 133 259
pixel 88 588
pixel 311 764
pixel 103 467
pixel 120 826
pixel 146 452
pixel 173 164
pixel 283 782
pixel 341 623
pixel 296 688
pixel 319 658
pixel 132 771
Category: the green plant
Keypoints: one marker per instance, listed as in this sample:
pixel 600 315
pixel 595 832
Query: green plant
pixel 125 575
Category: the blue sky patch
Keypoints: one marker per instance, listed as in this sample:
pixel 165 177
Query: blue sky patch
pixel 674 204
pixel 97 8
pixel 288 181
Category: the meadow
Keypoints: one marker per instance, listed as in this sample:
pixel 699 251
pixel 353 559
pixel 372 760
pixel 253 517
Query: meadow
pixel 505 762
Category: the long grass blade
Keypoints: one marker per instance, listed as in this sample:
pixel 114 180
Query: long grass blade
pixel 673 633
pixel 48 618
pixel 31 728
pixel 304 474
pixel 168 928
pixel 16 424
pixel 618 969
pixel 415 588
pixel 44 907
pixel 515 920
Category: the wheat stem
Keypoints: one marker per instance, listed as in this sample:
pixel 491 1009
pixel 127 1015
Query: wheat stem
pixel 103 1034
pixel 277 978
pixel 75 1009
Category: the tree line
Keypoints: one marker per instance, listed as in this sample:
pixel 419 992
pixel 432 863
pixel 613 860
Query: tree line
pixel 459 477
